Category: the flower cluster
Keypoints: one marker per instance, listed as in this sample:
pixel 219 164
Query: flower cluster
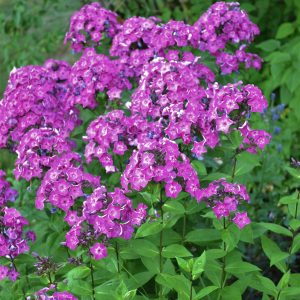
pixel 88 25
pixel 34 99
pixel 44 294
pixel 13 240
pixel 223 24
pixel 110 215
pixel 160 161
pixel 94 73
pixel 64 182
pixel 254 139
pixel 138 40
pixel 225 198
pixel 176 112
pixel 37 150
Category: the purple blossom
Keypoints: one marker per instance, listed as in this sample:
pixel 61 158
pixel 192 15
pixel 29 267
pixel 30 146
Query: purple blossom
pixel 241 219
pixel 98 251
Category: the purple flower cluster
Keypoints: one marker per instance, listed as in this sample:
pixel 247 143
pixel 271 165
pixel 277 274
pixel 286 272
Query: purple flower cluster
pixel 110 215
pixel 34 99
pixel 42 294
pixel 176 112
pixel 94 73
pixel 139 40
pixel 13 240
pixel 225 198
pixel 160 161
pixel 88 25
pixel 36 151
pixel 224 24
pixel 64 182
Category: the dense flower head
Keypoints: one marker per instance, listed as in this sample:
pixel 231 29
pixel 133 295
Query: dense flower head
pixel 160 161
pixel 8 272
pixel 43 294
pixel 170 93
pixel 94 73
pixel 224 198
pixel 141 40
pixel 31 99
pixel 6 192
pixel 135 33
pixel 224 23
pixel 37 150
pixel 89 24
pixel 115 133
pixel 64 182
pixel 253 139
pixel 13 240
pixel 59 70
pixel 110 214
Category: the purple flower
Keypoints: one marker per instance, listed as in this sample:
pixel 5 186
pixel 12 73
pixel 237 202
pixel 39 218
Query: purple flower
pixel 98 251
pixel 241 219
pixel 173 189
pixel 220 210
pixel 3 272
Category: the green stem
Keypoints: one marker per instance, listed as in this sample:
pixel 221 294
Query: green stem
pixel 234 165
pixel 183 228
pixel 191 290
pixel 203 285
pixel 296 209
pixel 118 256
pixel 92 277
pixel 161 241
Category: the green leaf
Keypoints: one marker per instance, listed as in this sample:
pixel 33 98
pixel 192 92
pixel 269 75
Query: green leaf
pixel 262 284
pixel 80 287
pixel 175 250
pixel 215 176
pixel 129 295
pixel 177 282
pixel 151 264
pixel 184 264
pixel 245 163
pixel 231 292
pixel 144 247
pixel 149 198
pixel 291 199
pixel 269 45
pixel 235 138
pixel 149 228
pixel 285 30
pixel 294 172
pixel 284 281
pixel 294 224
pixel 215 253
pixel 78 273
pixel 247 234
pixel 205 291
pixel 272 251
pixel 138 280
pixel 296 244
pixel 240 267
pixel 199 265
pixel 291 292
pixel 276 228
pixel 203 235
pixel 231 236
pixel 199 167
pixel 174 206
